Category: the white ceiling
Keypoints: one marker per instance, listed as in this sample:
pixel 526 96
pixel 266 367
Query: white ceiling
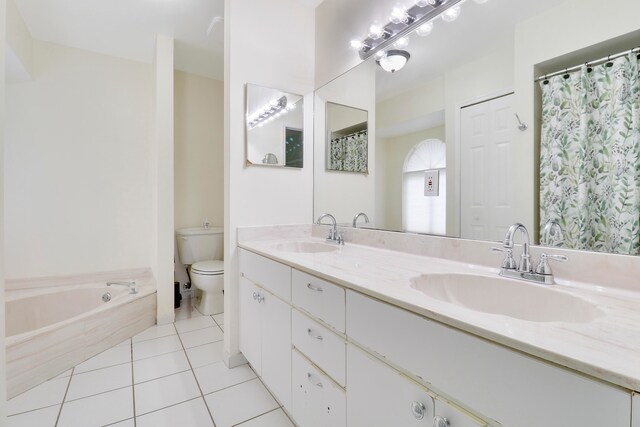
pixel 127 28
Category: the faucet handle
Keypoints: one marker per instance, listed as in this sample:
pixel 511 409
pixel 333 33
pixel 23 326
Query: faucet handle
pixel 544 268
pixel 508 263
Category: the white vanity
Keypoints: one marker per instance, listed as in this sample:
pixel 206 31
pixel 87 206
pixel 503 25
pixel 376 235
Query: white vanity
pixel 342 338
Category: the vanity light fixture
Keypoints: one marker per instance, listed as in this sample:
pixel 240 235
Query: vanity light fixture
pixel 275 108
pixel 403 21
pixel 394 60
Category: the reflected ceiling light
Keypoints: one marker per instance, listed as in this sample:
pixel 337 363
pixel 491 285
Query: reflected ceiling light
pixel 399 15
pixel 425 29
pixel 268 113
pixel 402 42
pixel 380 54
pixel 394 60
pixel 481 1
pixel 451 14
pixel 356 44
pixel 376 31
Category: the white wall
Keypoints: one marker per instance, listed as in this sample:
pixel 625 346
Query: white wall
pixel 19 46
pixel 3 363
pixel 77 166
pixel 199 150
pixel 344 194
pixel 269 43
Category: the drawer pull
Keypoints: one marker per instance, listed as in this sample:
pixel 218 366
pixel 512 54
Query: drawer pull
pixel 255 295
pixel 314 288
pixel 317 384
pixel 310 332
pixel 418 410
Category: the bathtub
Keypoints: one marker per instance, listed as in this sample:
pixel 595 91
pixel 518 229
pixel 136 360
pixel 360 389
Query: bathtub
pixel 50 329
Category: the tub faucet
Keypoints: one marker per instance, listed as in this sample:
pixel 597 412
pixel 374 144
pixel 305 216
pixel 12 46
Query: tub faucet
pixel 133 289
pixel 355 219
pixel 524 270
pixel 334 236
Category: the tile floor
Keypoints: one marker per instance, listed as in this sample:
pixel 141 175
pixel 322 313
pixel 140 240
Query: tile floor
pixel 168 375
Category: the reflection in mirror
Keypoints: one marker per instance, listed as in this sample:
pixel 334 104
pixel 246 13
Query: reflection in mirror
pixel 274 126
pixel 347 137
pixel 463 142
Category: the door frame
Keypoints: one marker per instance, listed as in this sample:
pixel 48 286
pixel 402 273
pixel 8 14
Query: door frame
pixel 457 187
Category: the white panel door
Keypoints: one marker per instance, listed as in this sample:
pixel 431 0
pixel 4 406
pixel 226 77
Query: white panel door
pixel 486 190
pixel 379 396
pixel 276 347
pixel 251 324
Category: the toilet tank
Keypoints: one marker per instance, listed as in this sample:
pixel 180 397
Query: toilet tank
pixel 199 244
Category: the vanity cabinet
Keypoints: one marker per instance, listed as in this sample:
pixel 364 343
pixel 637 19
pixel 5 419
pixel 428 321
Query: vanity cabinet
pixel 317 401
pixel 322 299
pixel 265 323
pixel 509 387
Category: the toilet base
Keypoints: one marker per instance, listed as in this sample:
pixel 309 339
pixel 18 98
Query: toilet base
pixel 211 303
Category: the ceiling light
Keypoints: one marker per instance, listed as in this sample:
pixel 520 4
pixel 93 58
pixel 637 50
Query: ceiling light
pixel 425 29
pixel 380 54
pixel 402 42
pixel 356 44
pixel 399 15
pixel 451 14
pixel 423 3
pixel 376 31
pixel 394 60
pixel 481 1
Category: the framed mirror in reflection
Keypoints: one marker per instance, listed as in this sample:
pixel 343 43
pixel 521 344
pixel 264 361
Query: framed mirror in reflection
pixel 463 142
pixel 274 127
pixel 347 138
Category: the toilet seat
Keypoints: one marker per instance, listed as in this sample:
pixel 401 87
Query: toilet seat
pixel 208 268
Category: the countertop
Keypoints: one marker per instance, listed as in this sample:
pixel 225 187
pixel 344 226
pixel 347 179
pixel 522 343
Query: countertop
pixel 607 348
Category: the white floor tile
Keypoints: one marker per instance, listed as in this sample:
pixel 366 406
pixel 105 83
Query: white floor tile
pixel 217 376
pixel 187 310
pixel 64 374
pixel 188 325
pixel 224 403
pixel 205 354
pixel 193 413
pixel 156 331
pixel 159 366
pixel 202 336
pixel 275 418
pixel 125 423
pixel 219 318
pixel 99 410
pixel 156 347
pixel 41 418
pixel 94 382
pixel 114 356
pixel 125 342
pixel 46 394
pixel 166 391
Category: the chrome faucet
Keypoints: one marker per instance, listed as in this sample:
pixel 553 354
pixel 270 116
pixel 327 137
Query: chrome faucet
pixel 524 269
pixel 334 236
pixel 133 289
pixel 355 219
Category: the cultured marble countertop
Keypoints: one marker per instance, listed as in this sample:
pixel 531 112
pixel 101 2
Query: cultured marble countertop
pixel 607 348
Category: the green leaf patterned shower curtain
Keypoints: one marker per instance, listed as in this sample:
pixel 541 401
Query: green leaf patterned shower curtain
pixel 590 157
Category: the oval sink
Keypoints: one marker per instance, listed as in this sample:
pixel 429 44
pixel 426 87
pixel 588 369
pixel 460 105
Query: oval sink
pixel 305 247
pixel 496 295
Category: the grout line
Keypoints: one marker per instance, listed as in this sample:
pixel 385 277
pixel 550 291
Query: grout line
pixel 164 376
pixel 230 386
pixel 121 421
pixel 149 339
pixel 257 416
pixel 64 398
pixel 133 386
pixel 165 407
pixel 98 394
pixel 102 367
pixel 196 378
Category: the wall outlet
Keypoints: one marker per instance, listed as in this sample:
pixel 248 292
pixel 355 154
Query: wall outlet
pixel 432 183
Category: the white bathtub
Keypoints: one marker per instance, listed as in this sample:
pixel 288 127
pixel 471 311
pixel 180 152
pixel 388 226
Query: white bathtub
pixel 51 329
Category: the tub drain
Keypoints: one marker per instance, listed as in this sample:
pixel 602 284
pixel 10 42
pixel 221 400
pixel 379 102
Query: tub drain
pixel 106 297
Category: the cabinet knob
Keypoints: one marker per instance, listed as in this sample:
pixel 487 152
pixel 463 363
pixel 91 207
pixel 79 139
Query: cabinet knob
pixel 255 296
pixel 310 333
pixel 439 421
pixel 418 410
pixel 314 288
pixel 260 298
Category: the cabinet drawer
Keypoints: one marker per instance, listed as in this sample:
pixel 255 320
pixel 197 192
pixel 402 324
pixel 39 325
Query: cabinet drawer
pixel 317 401
pixel 323 347
pixel 454 416
pixel 267 273
pixel 504 385
pixel 320 298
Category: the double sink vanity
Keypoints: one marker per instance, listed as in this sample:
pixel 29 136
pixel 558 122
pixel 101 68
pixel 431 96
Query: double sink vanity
pixel 392 329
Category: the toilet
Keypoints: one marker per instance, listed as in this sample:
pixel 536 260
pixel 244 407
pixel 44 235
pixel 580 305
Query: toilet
pixel 201 249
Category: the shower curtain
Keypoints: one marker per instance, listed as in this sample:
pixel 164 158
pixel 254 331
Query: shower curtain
pixel 590 156
pixel 349 153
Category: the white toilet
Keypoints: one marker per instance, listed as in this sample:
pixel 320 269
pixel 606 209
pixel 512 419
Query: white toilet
pixel 201 249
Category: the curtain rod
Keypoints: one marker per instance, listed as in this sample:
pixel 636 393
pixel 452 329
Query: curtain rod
pixel 589 63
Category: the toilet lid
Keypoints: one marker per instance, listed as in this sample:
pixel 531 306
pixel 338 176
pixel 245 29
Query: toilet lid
pixel 208 267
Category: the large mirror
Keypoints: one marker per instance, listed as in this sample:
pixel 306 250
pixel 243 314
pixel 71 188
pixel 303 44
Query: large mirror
pixel 466 139
pixel 274 127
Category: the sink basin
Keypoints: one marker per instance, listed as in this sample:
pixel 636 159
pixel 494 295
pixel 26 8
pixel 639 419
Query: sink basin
pixel 496 295
pixel 305 247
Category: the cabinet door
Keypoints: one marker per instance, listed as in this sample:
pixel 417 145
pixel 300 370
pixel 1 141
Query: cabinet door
pixel 276 347
pixel 380 396
pixel 450 416
pixel 250 324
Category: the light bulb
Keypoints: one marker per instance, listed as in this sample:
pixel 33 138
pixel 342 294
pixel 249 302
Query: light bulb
pixel 451 14
pixel 273 102
pixel 376 31
pixel 356 44
pixel 425 29
pixel 398 15
pixel 481 1
pixel 291 106
pixel 402 42
pixel 421 3
pixel 380 54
